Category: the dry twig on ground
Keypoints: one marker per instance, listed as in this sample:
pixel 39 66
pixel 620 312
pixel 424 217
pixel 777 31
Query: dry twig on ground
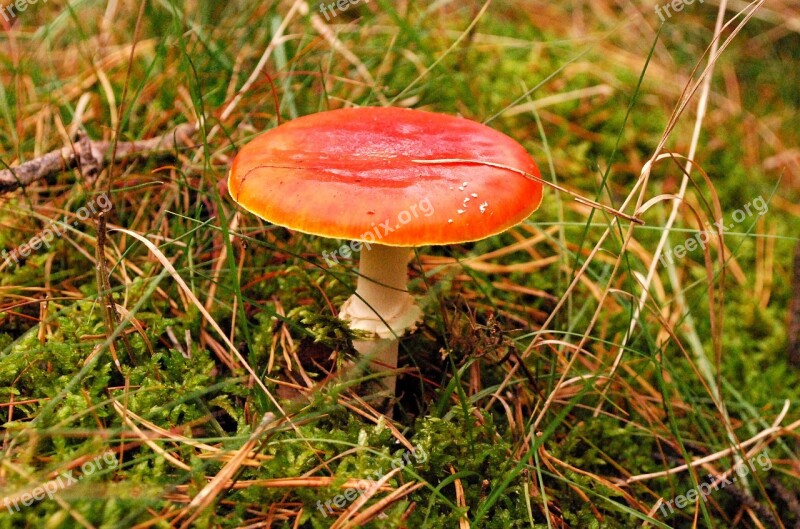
pixel 90 156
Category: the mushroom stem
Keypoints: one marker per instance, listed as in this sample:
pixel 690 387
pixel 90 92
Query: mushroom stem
pixel 382 306
pixel 383 357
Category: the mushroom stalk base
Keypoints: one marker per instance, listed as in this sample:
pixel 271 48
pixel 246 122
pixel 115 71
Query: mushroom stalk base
pixel 383 357
pixel 382 306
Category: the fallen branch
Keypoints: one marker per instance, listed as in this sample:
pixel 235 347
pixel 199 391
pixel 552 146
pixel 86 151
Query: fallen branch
pixel 90 156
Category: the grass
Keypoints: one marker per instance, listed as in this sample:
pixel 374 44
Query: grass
pixel 537 394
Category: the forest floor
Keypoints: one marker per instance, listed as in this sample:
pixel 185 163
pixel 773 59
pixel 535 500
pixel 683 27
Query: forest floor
pixel 170 360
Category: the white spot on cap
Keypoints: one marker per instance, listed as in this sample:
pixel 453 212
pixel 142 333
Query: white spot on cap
pixel 483 206
pixel 474 195
pixel 449 221
pixel 460 211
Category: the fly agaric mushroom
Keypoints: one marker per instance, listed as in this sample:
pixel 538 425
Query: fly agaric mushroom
pixel 363 174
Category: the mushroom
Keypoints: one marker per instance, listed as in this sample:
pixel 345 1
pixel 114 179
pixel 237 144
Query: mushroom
pixel 387 179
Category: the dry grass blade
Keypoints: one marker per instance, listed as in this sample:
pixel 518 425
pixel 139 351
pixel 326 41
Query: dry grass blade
pixel 592 91
pixel 461 500
pixel 375 510
pixel 337 45
pixel 207 451
pixel 704 83
pixel 576 196
pixel 297 7
pixel 178 279
pixel 292 483
pixel 477 263
pixel 209 492
pixel 344 519
pixel 218 484
pixel 120 409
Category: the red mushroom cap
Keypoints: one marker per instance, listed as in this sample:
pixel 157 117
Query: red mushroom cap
pixel 355 174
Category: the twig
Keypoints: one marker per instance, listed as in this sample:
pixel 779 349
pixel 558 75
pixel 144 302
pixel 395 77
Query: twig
pixel 109 307
pixel 111 316
pixel 774 431
pixel 761 511
pixel 90 156
pixel 789 497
